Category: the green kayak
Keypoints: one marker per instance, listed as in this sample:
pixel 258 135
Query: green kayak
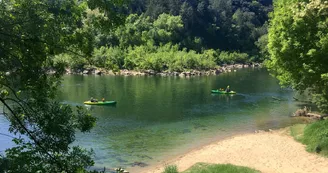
pixel 100 103
pixel 223 92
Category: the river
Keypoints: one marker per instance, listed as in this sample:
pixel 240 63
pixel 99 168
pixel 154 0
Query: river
pixel 161 117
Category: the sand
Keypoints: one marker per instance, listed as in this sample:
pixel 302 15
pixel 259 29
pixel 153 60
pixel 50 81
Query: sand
pixel 268 152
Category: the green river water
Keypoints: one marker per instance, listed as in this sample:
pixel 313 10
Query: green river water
pixel 161 117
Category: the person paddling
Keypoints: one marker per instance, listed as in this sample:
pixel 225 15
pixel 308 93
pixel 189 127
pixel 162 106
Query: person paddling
pixel 228 89
pixel 93 100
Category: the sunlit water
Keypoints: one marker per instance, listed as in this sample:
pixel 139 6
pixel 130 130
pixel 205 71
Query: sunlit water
pixel 160 117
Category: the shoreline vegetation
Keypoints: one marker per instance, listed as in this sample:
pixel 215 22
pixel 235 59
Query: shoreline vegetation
pixel 265 151
pixel 186 73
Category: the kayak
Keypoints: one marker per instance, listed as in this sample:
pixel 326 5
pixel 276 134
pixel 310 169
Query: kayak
pixel 223 92
pixel 100 103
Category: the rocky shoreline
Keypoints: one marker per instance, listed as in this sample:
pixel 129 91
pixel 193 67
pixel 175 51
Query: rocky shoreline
pixel 189 73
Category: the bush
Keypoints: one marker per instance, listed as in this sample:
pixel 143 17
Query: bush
pixel 171 169
pixel 316 137
pixel 232 58
pixel 168 57
pixel 68 60
pixel 109 58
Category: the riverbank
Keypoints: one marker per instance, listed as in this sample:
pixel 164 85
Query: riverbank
pixel 187 73
pixel 268 152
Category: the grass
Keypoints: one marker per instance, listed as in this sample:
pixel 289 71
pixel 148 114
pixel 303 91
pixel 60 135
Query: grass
pixel 214 168
pixel 314 136
pixel 297 131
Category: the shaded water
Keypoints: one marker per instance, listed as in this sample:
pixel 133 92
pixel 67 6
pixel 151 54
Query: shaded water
pixel 160 117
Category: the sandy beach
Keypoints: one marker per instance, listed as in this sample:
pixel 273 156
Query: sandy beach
pixel 268 152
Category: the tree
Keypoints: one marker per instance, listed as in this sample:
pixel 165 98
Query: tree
pixel 298 46
pixel 31 32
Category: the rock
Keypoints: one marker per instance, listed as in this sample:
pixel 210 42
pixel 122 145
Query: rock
pixel 140 164
pixel 7 73
pixel 315 116
pixel 217 72
pixel 140 74
pixel 68 71
pixel 256 65
pixel 163 74
pixel 150 72
pixel 176 73
pixel 98 72
pixel 238 65
pixel 301 112
pixel 86 72
pixel 182 75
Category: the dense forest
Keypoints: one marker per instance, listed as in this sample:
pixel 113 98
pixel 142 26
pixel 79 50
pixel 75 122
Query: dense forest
pixel 176 35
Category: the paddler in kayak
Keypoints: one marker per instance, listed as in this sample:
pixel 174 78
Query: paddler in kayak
pixel 228 89
pixel 93 100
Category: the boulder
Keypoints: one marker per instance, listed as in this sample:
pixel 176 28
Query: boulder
pixel 68 71
pixel 86 72
pixel 98 72
pixel 238 66
pixel 301 112
pixel 150 72
pixel 176 73
pixel 217 71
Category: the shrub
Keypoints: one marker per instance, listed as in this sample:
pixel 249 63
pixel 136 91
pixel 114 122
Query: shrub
pixel 171 169
pixel 232 58
pixel 68 60
pixel 110 58
pixel 316 137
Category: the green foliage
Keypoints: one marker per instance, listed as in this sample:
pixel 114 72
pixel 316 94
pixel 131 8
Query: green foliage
pixel 168 57
pixel 298 46
pixel 109 58
pixel 35 36
pixel 140 29
pixel 69 60
pixel 171 169
pixel 219 168
pixel 314 136
pixel 232 58
pixel 262 45
pixel 218 24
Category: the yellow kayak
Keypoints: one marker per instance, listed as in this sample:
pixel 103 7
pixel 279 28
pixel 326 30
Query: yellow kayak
pixel 100 103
